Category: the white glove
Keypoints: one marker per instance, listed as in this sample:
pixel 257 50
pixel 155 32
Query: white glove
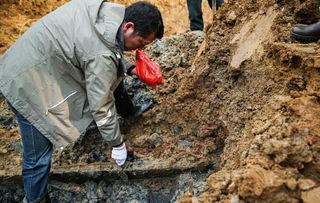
pixel 119 154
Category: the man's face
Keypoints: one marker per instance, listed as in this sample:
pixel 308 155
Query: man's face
pixel 133 41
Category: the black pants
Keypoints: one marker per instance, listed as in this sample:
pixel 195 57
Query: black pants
pixel 195 13
pixel 124 104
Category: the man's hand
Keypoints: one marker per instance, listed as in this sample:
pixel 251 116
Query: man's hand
pixel 119 154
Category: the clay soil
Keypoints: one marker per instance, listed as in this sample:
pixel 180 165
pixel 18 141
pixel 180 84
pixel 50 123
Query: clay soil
pixel 245 97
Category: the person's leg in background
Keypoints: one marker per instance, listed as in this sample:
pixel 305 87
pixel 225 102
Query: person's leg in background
pixel 195 14
pixel 219 3
pixel 36 161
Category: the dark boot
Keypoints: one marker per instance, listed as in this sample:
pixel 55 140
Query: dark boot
pixel 310 33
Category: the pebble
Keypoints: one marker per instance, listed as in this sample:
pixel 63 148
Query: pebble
pixel 311 196
pixel 306 184
pixel 155 139
pixel 235 199
pixel 178 130
pixel 184 143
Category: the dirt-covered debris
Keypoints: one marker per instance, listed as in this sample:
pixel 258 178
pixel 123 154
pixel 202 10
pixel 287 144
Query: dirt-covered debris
pixel 163 189
pixel 162 133
pixel 270 106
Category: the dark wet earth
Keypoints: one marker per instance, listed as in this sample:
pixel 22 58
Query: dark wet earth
pixel 165 189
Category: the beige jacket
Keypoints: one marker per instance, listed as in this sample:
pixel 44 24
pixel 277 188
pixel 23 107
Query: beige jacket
pixel 60 75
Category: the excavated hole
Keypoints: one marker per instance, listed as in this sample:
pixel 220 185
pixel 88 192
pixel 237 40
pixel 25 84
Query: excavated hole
pixel 164 189
pixel 171 160
pixel 163 185
pixel 98 184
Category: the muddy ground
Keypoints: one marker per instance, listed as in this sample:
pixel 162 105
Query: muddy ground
pixel 242 101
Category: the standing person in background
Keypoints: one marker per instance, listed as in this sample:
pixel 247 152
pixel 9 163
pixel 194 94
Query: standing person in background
pixel 307 34
pixel 60 75
pixel 195 13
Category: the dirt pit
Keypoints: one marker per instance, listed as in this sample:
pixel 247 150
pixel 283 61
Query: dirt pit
pixel 164 189
pixel 159 151
pixel 242 101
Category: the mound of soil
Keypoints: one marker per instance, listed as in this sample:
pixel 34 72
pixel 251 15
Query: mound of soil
pixel 166 132
pixel 264 87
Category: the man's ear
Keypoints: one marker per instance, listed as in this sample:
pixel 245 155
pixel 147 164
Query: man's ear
pixel 127 26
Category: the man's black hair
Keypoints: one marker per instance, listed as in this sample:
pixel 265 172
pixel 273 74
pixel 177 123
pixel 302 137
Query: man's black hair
pixel 146 18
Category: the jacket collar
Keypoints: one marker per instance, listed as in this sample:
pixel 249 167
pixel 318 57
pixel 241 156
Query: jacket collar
pixel 120 39
pixel 106 17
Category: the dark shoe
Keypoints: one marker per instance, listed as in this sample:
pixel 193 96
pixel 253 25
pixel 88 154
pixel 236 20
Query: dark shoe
pixel 310 33
pixel 139 110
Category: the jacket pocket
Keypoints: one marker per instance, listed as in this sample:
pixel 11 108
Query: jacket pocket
pixel 62 105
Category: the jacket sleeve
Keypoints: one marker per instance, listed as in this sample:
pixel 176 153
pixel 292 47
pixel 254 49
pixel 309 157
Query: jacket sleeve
pixel 100 74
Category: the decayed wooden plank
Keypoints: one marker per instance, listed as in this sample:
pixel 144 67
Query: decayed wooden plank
pixel 131 170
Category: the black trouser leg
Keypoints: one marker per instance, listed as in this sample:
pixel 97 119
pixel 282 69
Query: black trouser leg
pixel 219 3
pixel 195 14
pixel 123 101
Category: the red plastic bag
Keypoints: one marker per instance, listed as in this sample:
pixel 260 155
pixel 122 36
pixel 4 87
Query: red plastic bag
pixel 148 71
